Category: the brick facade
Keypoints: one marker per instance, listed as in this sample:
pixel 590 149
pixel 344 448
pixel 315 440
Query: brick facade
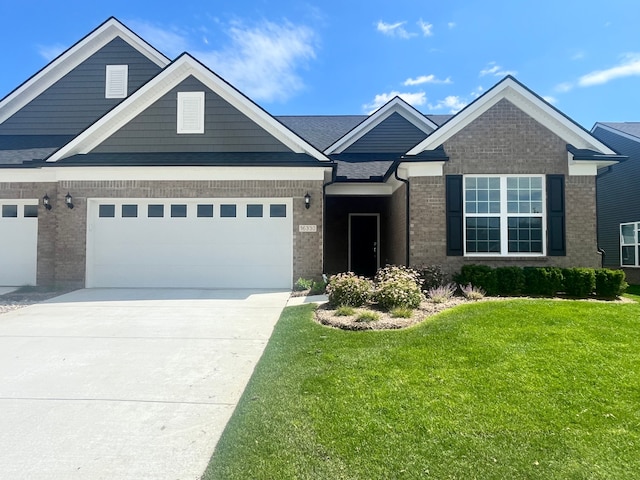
pixel 62 231
pixel 504 140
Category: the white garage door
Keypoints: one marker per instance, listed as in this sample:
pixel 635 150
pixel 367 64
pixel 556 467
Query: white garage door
pixel 18 242
pixel 190 243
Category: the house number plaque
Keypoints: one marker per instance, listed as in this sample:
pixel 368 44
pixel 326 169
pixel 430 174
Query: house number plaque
pixel 308 228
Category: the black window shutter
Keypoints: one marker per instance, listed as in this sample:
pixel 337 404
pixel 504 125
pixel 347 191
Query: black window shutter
pixel 454 215
pixel 556 239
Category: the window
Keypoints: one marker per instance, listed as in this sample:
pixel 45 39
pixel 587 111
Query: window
pixel 179 211
pixel 227 211
pixel 10 211
pixel 277 210
pixel 205 210
pixel 155 211
pixel 116 81
pixel 629 244
pixel 30 211
pixel 190 112
pixel 254 211
pixel 129 211
pixel 107 211
pixel 504 215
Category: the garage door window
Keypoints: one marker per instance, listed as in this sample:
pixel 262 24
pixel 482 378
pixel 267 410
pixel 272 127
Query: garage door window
pixel 205 210
pixel 30 211
pixel 179 211
pixel 227 211
pixel 107 211
pixel 129 211
pixel 277 210
pixel 155 211
pixel 10 211
pixel 254 211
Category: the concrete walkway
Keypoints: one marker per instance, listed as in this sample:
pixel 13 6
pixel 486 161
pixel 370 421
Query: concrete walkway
pixel 126 384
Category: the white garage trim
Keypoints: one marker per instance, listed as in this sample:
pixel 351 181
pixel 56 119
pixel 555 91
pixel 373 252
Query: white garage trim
pixel 193 244
pixel 18 242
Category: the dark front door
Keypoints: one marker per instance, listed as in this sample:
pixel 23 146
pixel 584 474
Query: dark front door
pixel 363 244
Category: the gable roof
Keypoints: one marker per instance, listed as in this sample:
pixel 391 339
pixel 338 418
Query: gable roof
pixel 71 58
pixel 395 105
pixel 184 66
pixel 630 130
pixel 530 103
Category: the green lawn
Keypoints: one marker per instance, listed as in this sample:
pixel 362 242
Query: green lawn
pixel 515 389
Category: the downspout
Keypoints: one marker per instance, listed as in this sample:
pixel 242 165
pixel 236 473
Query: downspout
pixel 334 168
pixel 407 207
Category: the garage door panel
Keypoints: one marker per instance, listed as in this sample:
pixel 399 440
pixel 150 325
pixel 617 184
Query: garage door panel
pixel 18 243
pixel 191 252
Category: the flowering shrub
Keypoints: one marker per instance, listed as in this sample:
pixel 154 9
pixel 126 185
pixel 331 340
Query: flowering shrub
pixel 442 293
pixel 348 289
pixel 397 286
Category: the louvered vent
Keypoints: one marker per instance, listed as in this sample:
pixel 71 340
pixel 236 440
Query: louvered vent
pixel 116 81
pixel 190 112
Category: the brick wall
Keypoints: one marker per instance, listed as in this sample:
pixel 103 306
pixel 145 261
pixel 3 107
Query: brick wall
pixel 62 231
pixel 504 140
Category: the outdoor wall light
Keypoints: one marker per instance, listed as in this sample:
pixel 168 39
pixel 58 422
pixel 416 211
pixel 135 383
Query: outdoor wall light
pixel 307 200
pixel 68 199
pixel 46 202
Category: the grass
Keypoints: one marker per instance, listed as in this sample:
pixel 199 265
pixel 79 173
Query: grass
pixel 519 389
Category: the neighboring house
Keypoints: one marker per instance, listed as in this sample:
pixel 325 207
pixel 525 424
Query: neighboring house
pixel 617 199
pixel 122 168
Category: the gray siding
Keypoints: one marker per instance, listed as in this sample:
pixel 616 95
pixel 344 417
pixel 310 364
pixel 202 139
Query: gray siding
pixel 618 194
pixel 395 134
pixel 77 99
pixel 226 129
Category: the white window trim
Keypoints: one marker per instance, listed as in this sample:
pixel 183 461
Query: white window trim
pixel 636 231
pixel 504 215
pixel 187 99
pixel 110 90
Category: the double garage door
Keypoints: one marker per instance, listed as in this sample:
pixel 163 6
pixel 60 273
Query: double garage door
pixel 190 243
pixel 18 242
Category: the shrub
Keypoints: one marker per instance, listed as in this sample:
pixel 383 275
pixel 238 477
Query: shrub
pixel 318 288
pixel 510 280
pixel 302 284
pixel 442 293
pixel 579 282
pixel 345 311
pixel 432 276
pixel 397 286
pixel 401 312
pixel 368 316
pixel 480 276
pixel 472 293
pixel 610 283
pixel 545 281
pixel 348 289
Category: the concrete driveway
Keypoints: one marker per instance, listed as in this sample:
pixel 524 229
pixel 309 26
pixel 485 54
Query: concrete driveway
pixel 126 384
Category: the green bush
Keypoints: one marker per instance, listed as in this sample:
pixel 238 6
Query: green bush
pixel 432 276
pixel 610 283
pixel 579 282
pixel 546 281
pixel 480 276
pixel 510 280
pixel 302 284
pixel 397 286
pixel 318 288
pixel 348 289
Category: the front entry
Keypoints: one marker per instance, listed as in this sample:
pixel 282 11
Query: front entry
pixel 364 243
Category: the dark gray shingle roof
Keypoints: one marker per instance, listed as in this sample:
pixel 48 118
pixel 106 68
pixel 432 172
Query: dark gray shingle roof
pixel 630 128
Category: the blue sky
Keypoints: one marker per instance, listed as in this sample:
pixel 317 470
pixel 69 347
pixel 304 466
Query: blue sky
pixel 310 57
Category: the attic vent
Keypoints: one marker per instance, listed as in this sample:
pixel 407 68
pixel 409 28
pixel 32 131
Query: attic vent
pixel 116 81
pixel 190 112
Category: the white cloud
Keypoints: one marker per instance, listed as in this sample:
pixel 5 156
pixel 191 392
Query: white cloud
pixel 394 29
pixel 630 66
pixel 563 87
pixel 415 99
pixel 426 28
pixel 49 52
pixel 477 92
pixel 425 79
pixel 453 103
pixel 495 70
pixel 451 24
pixel 550 99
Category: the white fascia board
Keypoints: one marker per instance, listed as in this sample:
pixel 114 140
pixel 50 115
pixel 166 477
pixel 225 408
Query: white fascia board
pixel 357 189
pixel 620 133
pixel 161 85
pixel 526 101
pixel 165 174
pixel 396 105
pixel 70 59
pixel 587 167
pixel 421 169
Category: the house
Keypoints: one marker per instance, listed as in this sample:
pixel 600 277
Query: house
pixel 619 218
pixel 123 168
